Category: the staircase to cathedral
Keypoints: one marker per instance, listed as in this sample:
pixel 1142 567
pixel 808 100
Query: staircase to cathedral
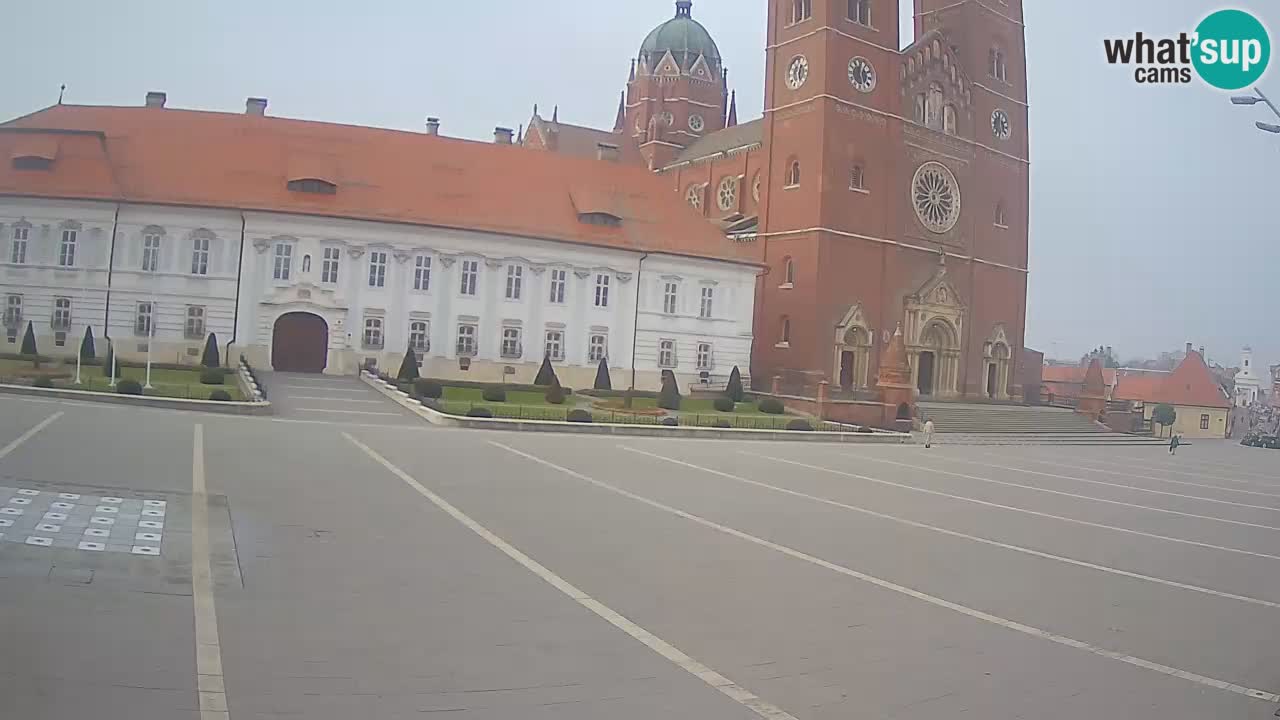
pixel 1020 424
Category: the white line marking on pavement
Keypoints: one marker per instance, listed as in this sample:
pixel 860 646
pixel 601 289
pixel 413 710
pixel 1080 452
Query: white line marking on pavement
pixel 17 442
pixel 341 400
pixel 670 652
pixel 344 412
pixel 1074 495
pixel 391 426
pixel 327 387
pixel 1163 463
pixel 1124 486
pixel 1201 475
pixel 209 680
pixel 916 594
pixel 964 536
pixel 1011 508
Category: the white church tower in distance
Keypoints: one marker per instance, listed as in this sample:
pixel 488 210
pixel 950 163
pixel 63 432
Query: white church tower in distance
pixel 1248 383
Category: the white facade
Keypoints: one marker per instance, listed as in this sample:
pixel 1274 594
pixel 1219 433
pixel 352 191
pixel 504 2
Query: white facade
pixel 1248 382
pixel 193 271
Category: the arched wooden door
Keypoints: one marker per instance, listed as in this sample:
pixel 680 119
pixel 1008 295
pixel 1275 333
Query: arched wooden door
pixel 300 343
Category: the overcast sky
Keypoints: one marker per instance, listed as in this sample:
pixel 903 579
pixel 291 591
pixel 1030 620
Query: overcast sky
pixel 1148 203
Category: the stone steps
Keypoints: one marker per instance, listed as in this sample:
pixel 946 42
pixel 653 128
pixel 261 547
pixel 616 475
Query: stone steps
pixel 958 418
pixel 1031 438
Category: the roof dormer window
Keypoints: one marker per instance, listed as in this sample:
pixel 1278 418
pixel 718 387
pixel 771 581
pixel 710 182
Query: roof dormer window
pixel 313 185
pixel 32 162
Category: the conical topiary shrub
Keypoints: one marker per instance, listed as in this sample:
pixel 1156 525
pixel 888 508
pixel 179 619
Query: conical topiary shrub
pixel 210 358
pixel 87 349
pixel 602 376
pixel 408 367
pixel 669 395
pixel 29 341
pixel 733 390
pixel 546 374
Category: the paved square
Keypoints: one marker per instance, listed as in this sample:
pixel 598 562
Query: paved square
pixel 48 518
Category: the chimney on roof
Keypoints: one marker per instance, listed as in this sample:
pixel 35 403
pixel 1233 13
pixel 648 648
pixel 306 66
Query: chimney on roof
pixel 607 152
pixel 255 106
pixel 433 126
pixel 502 135
pixel 1189 348
pixel 156 99
pixel 1201 351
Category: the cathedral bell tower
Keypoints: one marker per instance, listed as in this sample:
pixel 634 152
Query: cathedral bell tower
pixel 677 89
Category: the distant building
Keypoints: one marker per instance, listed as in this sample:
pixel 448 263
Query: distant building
pixel 1248 388
pixel 1191 389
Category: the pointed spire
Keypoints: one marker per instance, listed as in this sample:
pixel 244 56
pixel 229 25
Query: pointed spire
pixel 620 123
pixel 520 135
pixel 535 109
pixel 61 91
pixel 633 71
pixel 555 114
pixel 733 110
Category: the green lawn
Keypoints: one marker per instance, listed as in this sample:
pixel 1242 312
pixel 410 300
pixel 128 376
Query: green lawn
pixel 514 397
pixel 165 383
pixel 702 406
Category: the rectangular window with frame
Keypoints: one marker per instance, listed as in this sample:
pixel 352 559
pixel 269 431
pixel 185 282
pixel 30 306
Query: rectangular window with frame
pixel 329 269
pixel 801 10
pixel 377 269
pixel 420 336
pixel 670 298
pixel 704 356
pixel 422 273
pixel 144 322
pixel 467 340
pixel 558 280
pixel 67 251
pixel 18 250
pixel 200 257
pixel 195 322
pixel 860 12
pixel 470 277
pixel 515 281
pixel 511 343
pixel 283 261
pixel 150 252
pixel 597 348
pixel 13 312
pixel 667 353
pixel 1204 422
pixel 705 309
pixel 554 347
pixel 602 290
pixel 61 314
pixel 373 332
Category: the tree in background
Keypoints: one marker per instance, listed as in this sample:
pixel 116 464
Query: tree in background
pixel 1165 416
pixel 546 374
pixel 603 382
pixel 87 349
pixel 1105 353
pixel 210 358
pixel 409 367
pixel 733 390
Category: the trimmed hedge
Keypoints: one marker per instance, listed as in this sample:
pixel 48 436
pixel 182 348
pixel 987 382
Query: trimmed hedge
pixel 509 387
pixel 671 422
pixel 43 382
pixel 428 388
pixel 480 412
pixel 212 376
pixel 724 404
pixel 579 416
pixel 494 394
pixel 220 396
pixel 618 394
pixel 129 386
pixel 800 425
pixel 771 406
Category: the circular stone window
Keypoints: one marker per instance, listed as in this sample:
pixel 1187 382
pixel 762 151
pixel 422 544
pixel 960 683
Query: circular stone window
pixel 694 196
pixel 667 119
pixel 935 195
pixel 696 123
pixel 727 194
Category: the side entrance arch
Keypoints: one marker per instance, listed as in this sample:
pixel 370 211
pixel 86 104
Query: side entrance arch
pixel 300 343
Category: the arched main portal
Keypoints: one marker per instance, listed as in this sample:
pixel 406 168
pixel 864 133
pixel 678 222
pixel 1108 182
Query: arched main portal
pixel 937 360
pixel 300 343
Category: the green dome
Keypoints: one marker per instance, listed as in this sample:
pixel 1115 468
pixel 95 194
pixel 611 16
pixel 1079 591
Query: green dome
pixel 684 37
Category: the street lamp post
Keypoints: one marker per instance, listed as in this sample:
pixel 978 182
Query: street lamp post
pixel 151 340
pixel 1259 97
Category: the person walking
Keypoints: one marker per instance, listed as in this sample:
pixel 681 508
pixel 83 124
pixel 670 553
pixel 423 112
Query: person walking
pixel 1174 442
pixel 928 433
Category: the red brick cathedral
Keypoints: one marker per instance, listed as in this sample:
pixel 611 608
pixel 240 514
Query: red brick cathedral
pixel 882 188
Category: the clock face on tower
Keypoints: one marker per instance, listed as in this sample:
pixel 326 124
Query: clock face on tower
pixel 797 72
pixel 1000 124
pixel 862 75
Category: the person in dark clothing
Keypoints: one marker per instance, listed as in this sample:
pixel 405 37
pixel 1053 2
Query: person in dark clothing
pixel 1174 443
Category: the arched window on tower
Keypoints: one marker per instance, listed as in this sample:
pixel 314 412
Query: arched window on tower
pixel 792 179
pixel 1001 221
pixel 998 70
pixel 801 10
pixel 933 107
pixel 784 337
pixel 788 272
pixel 857 178
pixel 860 12
pixel 949 119
pixel 920 103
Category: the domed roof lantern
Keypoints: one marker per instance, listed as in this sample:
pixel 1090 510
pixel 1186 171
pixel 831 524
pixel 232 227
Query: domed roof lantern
pixel 685 38
pixel 684 8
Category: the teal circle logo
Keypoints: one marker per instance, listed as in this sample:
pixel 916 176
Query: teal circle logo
pixel 1232 50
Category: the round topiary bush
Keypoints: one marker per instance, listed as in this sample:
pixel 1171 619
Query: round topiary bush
pixel 771 406
pixel 212 376
pixel 480 412
pixel 724 404
pixel 220 396
pixel 428 389
pixel 722 425
pixel 579 416
pixel 800 425
pixel 43 382
pixel 555 394
pixel 494 394
pixel 129 386
pixel 670 422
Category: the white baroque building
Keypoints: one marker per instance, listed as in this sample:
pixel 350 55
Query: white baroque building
pixel 300 266
pixel 1248 381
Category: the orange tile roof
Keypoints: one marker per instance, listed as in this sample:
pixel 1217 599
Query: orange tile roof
pixel 1075 374
pixel 1191 383
pixel 1141 388
pixel 237 161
